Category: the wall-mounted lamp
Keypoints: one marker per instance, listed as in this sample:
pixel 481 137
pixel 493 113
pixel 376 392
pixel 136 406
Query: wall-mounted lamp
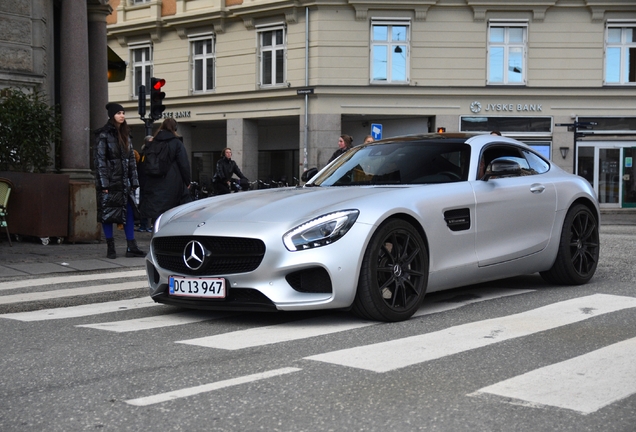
pixel 564 151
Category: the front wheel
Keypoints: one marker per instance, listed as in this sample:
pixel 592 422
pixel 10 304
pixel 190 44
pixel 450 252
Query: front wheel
pixel 394 274
pixel 579 246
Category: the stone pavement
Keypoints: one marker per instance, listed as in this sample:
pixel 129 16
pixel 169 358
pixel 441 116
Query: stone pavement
pixel 30 257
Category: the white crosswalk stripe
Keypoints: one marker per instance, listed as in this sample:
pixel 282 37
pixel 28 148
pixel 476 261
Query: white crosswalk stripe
pixel 400 353
pixel 154 322
pixel 322 325
pixel 82 310
pixel 26 283
pixel 70 292
pixel 585 384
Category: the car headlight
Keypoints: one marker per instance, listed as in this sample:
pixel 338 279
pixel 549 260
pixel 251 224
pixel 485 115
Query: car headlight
pixel 321 231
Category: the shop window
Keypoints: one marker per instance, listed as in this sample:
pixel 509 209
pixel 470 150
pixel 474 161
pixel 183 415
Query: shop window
pixel 507 54
pixel 508 125
pixel 141 56
pixel 390 52
pixel 203 63
pixel 272 53
pixel 620 55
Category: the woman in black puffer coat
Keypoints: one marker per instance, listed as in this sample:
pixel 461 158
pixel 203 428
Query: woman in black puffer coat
pixel 116 179
pixel 168 191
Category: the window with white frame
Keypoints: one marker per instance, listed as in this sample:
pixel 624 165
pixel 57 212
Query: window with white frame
pixel 390 48
pixel 620 54
pixel 272 53
pixel 136 2
pixel 141 56
pixel 203 62
pixel 507 46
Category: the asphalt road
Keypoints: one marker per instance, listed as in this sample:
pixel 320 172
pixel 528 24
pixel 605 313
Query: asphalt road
pixel 513 355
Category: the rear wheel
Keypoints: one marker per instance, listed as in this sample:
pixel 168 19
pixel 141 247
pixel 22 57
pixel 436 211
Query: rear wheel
pixel 394 274
pixel 578 254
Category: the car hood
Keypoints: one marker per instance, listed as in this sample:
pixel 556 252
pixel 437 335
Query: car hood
pixel 275 205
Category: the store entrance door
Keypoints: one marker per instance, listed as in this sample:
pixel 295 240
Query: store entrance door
pixel 608 168
pixel 629 177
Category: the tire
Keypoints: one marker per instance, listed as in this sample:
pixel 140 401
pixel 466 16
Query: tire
pixel 579 247
pixel 394 274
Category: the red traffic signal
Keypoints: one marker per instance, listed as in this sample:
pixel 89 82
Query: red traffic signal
pixel 156 98
pixel 157 83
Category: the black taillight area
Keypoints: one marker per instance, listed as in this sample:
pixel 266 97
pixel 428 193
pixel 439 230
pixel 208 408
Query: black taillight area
pixel 458 219
pixel 311 280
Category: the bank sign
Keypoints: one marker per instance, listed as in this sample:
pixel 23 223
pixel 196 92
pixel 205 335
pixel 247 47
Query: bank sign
pixel 477 107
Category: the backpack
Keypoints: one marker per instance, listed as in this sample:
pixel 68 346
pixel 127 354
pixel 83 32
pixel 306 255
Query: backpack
pixel 156 159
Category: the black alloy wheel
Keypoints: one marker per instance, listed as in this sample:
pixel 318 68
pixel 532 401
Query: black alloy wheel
pixel 394 274
pixel 579 249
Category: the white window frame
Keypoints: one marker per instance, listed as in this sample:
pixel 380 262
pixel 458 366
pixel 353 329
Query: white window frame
pixel 623 47
pixel 145 66
pixel 203 58
pixel 507 48
pixel 138 2
pixel 273 49
pixel 390 46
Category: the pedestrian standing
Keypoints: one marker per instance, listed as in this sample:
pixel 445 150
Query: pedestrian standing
pixel 168 188
pixel 345 142
pixel 116 180
pixel 145 224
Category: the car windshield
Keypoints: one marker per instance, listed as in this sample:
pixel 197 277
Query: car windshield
pixel 395 163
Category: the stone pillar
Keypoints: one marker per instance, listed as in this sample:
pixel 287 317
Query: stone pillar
pixel 242 138
pixel 324 130
pixel 74 90
pixel 98 61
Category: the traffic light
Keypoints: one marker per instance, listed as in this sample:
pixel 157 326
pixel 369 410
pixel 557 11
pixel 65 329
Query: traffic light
pixel 441 129
pixel 156 98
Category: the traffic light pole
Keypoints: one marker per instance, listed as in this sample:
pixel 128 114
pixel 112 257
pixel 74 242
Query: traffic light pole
pixel 141 108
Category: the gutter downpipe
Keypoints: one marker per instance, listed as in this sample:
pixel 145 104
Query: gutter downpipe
pixel 306 84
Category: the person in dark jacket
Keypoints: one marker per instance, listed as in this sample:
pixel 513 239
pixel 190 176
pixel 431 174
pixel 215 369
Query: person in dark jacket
pixel 160 194
pixel 225 167
pixel 116 179
pixel 345 142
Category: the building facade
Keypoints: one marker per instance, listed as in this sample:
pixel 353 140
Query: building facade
pixel 279 81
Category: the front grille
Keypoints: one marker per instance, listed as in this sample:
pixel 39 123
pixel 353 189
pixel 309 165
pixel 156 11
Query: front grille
pixel 226 255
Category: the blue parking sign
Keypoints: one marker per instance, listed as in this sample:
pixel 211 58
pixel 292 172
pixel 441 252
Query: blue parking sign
pixel 376 131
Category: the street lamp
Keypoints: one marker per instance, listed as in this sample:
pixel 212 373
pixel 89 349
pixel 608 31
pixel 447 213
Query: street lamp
pixel 574 127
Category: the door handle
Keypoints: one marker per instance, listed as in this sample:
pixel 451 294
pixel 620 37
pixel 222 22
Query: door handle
pixel 537 188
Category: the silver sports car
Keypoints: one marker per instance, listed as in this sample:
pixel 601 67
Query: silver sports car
pixel 378 228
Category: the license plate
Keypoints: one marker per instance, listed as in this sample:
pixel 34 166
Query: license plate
pixel 197 287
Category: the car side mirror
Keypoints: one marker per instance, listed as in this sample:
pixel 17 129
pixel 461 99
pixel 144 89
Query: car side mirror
pixel 502 167
pixel 307 175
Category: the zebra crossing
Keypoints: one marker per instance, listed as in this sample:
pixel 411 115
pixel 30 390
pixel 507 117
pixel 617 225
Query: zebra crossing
pixel 583 384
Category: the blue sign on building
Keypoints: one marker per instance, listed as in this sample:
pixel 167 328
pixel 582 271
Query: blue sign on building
pixel 376 131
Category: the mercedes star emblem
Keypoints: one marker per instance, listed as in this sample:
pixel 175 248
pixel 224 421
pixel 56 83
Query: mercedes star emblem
pixel 194 255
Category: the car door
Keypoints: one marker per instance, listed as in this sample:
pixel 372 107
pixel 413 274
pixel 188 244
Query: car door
pixel 513 214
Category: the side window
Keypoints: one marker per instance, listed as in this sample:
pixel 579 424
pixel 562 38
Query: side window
pixel 620 55
pixel 493 152
pixel 203 59
pixel 390 52
pixel 507 54
pixel 142 68
pixel 536 163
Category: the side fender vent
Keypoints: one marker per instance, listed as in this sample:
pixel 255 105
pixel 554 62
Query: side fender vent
pixel 458 219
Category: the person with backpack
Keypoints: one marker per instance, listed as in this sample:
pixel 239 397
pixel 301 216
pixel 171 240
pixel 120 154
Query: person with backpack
pixel 166 171
pixel 116 180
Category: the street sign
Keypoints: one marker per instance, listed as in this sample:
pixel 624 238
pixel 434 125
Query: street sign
pixel 376 131
pixel 304 91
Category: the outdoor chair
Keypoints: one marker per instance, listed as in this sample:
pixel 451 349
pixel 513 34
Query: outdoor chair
pixel 5 191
